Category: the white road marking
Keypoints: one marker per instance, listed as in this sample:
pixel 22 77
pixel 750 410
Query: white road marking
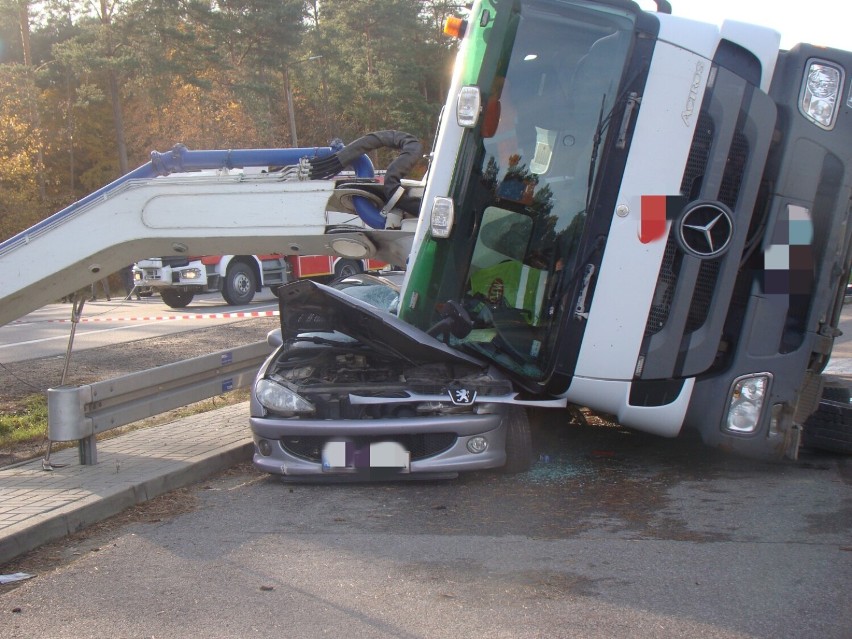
pixel 77 335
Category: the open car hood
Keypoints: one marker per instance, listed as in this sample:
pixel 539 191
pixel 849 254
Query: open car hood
pixel 310 307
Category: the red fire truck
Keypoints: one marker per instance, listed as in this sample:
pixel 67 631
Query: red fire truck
pixel 315 266
pixel 238 277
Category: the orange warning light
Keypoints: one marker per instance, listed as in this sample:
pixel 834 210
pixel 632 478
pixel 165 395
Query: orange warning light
pixel 455 27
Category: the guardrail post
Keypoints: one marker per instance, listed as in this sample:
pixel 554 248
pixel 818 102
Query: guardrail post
pixel 88 451
pixel 67 421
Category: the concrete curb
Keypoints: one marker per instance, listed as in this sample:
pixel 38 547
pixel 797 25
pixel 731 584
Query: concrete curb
pixel 37 507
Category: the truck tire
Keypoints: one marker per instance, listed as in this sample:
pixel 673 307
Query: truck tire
pixel 836 393
pixel 176 299
pixel 347 268
pixel 240 284
pixel 518 441
pixel 830 428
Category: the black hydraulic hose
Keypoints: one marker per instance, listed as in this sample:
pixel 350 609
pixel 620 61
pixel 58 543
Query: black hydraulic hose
pixel 324 168
pixel 410 150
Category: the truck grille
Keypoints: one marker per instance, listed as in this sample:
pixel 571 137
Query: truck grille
pixel 693 176
pixel 690 187
pixel 421 446
pixel 684 330
pixel 699 153
pixel 701 298
pixel 702 295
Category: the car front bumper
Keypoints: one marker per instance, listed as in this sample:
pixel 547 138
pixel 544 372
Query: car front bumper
pixel 457 430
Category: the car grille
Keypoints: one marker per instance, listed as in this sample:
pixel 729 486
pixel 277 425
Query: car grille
pixel 482 388
pixel 421 446
pixel 175 261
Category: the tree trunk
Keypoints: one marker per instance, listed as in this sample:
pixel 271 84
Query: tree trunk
pixel 114 93
pixel 35 115
pixel 115 97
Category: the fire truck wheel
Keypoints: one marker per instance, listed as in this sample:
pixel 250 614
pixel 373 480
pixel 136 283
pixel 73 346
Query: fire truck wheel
pixel 830 428
pixel 176 299
pixel 240 284
pixel 518 441
pixel 346 268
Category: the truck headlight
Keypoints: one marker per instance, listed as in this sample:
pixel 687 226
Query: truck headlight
pixel 443 215
pixel 190 274
pixel 818 99
pixel 468 106
pixel 281 400
pixel 746 399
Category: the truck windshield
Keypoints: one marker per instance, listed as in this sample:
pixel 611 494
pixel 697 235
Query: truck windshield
pixel 532 163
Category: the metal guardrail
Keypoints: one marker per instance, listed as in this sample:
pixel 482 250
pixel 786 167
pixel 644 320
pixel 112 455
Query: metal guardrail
pixel 82 412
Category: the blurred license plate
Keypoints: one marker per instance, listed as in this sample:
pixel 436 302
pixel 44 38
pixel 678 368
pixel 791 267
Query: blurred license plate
pixel 348 457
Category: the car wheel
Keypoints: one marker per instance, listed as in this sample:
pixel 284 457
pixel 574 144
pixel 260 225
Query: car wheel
pixel 176 299
pixel 240 284
pixel 518 441
pixel 347 268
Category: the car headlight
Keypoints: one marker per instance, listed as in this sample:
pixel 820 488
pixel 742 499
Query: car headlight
pixel 747 397
pixel 281 400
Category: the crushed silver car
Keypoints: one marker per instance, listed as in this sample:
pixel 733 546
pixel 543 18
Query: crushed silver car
pixel 352 392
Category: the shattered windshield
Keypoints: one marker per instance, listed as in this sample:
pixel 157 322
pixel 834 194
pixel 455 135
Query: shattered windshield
pixel 548 111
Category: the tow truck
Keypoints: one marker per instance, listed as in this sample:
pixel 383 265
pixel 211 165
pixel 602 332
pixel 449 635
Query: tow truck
pixel 207 202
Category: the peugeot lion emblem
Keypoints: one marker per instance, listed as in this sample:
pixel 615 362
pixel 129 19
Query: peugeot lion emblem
pixel 462 396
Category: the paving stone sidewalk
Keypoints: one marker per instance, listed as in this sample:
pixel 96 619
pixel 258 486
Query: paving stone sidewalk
pixel 38 506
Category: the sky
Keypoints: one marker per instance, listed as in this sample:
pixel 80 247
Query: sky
pixel 820 22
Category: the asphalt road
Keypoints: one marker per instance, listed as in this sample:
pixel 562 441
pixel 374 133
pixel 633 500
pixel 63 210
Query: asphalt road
pixel 45 332
pixel 618 535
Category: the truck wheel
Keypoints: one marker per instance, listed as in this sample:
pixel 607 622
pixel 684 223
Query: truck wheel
pixel 830 428
pixel 836 393
pixel 240 284
pixel 347 268
pixel 176 299
pixel 518 441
